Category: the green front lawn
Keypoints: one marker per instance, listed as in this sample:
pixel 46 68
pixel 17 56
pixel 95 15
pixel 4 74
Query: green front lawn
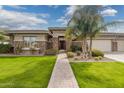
pixel 99 74
pixel 26 72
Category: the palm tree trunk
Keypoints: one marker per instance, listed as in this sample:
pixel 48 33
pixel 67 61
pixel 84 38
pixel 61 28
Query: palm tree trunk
pixel 69 43
pixel 82 43
pixel 84 48
pixel 90 48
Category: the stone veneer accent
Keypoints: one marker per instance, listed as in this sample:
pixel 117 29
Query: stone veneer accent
pixel 55 43
pixel 42 46
pixel 21 44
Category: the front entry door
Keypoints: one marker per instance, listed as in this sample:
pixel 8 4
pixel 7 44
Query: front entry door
pixel 62 45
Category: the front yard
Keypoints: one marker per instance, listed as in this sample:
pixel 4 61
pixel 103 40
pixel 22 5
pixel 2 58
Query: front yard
pixel 26 72
pixel 99 74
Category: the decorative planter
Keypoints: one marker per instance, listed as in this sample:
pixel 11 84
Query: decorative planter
pixel 26 51
pixel 29 51
pixel 35 51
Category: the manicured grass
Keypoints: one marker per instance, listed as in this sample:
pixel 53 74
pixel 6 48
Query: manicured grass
pixel 26 72
pixel 99 74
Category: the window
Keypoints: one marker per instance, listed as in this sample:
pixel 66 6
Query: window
pixel 30 40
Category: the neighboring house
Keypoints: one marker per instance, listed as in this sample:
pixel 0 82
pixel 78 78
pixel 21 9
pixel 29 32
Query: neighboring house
pixel 54 38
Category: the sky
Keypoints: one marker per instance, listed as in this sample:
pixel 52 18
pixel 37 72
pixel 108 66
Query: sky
pixel 42 16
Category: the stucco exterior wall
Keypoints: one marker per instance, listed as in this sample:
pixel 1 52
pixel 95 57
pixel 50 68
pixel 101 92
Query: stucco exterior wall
pixel 39 37
pixel 101 42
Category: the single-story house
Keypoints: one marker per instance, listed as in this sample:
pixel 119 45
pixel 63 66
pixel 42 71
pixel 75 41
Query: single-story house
pixel 54 38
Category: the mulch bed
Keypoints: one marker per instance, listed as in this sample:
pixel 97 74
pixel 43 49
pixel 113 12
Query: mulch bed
pixel 79 59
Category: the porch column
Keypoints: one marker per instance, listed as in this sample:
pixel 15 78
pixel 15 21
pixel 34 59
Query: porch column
pixel 55 43
pixel 14 45
pixel 42 45
pixel 12 40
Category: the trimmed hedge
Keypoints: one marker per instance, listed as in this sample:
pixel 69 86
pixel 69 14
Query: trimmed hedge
pixel 96 53
pixel 5 48
pixel 70 54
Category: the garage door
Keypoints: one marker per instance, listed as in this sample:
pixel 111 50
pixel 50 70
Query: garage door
pixel 104 45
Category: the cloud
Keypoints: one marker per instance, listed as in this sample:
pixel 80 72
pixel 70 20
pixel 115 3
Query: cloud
pixel 1 7
pixel 62 20
pixel 70 10
pixel 17 6
pixel 44 15
pixel 109 12
pixel 13 6
pixel 20 20
pixel 120 20
pixel 68 13
pixel 54 6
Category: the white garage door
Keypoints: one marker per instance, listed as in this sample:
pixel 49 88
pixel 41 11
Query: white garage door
pixel 120 45
pixel 103 45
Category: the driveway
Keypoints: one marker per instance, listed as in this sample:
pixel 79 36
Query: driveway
pixel 119 56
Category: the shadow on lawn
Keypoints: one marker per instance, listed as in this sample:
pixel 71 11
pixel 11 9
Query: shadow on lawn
pixel 8 57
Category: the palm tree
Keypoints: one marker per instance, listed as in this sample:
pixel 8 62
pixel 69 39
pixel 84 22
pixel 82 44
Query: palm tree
pixel 87 22
pixel 68 36
pixel 96 23
pixel 3 37
pixel 79 28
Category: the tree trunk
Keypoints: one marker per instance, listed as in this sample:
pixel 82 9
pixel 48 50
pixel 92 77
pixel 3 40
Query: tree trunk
pixel 90 48
pixel 84 49
pixel 68 45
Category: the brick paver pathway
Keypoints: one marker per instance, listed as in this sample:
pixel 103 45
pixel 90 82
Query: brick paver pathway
pixel 62 75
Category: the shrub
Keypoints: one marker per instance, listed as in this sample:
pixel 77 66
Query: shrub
pixel 78 53
pixel 18 50
pixel 75 48
pixel 96 53
pixel 96 58
pixel 5 48
pixel 51 52
pixel 100 57
pixel 70 54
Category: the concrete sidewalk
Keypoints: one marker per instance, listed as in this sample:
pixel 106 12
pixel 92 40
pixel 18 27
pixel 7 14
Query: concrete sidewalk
pixel 62 75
